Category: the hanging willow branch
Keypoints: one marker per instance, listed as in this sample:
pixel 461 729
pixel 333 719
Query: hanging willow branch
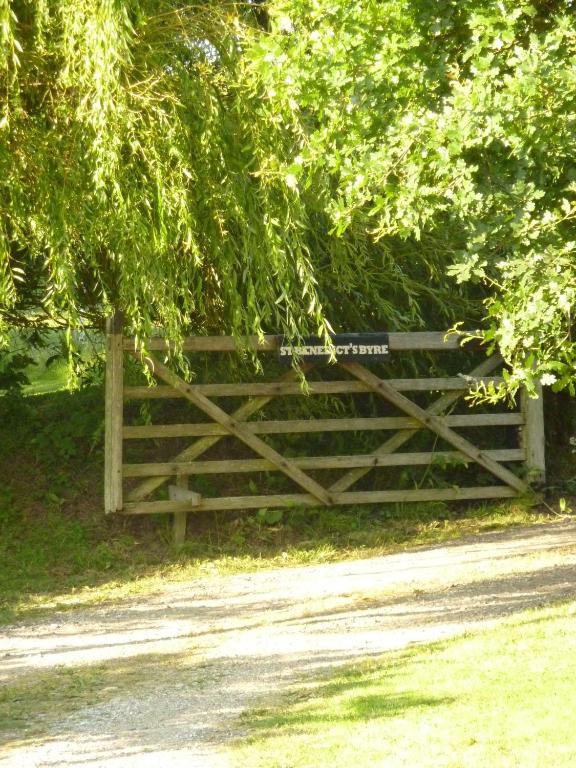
pixel 144 166
pixel 129 173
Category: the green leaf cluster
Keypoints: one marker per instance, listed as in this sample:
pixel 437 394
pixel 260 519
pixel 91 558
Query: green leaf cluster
pixel 449 127
pixel 130 173
pixel 293 166
pixel 145 166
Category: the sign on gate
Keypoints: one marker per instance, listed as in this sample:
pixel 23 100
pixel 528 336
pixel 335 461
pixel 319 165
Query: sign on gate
pixel 346 347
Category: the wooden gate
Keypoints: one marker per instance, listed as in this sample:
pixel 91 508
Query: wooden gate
pixel 147 478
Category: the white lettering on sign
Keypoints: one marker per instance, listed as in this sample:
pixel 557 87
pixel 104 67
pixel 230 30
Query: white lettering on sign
pixel 345 346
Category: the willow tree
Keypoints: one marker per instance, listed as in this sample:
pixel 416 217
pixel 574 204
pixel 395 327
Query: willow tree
pixel 127 171
pixel 449 128
pixel 144 166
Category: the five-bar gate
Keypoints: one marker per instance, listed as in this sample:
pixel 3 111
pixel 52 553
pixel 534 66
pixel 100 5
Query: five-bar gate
pixel 409 419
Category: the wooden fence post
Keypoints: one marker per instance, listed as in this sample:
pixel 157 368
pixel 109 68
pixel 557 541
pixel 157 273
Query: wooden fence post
pixel 113 415
pixel 533 436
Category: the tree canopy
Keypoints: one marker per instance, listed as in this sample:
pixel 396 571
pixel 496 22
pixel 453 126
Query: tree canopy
pixel 396 163
pixel 452 128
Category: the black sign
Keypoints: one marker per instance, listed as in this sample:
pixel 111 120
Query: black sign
pixel 347 348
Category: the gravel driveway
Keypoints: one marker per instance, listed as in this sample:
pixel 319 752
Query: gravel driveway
pixel 232 642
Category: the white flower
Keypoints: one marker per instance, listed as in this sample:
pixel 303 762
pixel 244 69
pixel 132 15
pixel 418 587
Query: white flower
pixel 291 181
pixel 285 24
pixel 547 379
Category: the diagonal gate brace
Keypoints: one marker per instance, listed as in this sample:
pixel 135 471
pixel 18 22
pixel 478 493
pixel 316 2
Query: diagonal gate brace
pixel 436 424
pixel 239 430
pixel 247 409
pixel 397 440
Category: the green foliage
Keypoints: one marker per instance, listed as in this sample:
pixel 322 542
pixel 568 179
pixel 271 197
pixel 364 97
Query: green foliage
pixel 447 131
pixel 142 169
pixel 17 357
pixel 13 370
pixel 206 167
pixel 130 171
pixel 53 430
pixel 35 360
pixel 135 174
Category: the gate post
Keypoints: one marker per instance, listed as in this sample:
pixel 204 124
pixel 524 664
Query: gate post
pixel 180 518
pixel 113 415
pixel 533 440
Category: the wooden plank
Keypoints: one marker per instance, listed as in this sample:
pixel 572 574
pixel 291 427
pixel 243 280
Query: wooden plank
pixel 276 388
pixel 239 430
pixel 256 389
pixel 244 412
pixel 236 466
pixel 533 439
pixel 307 500
pixel 400 438
pixel 113 416
pixel 291 426
pixel 425 340
pixel 436 424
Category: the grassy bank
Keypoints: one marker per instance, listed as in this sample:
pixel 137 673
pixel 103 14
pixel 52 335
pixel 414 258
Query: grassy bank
pixel 497 698
pixel 58 549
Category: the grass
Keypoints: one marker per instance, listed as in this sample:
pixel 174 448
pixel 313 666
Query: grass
pixel 502 697
pixel 48 370
pixel 44 380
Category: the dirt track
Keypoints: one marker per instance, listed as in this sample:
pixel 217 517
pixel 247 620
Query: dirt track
pixel 230 642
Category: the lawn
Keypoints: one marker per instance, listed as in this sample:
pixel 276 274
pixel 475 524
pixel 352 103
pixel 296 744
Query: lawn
pixel 502 697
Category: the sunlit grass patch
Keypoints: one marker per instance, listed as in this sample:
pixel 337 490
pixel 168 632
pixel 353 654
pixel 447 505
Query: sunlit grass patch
pixel 502 697
pixel 55 561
